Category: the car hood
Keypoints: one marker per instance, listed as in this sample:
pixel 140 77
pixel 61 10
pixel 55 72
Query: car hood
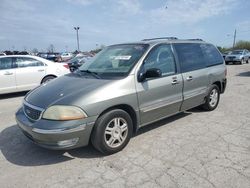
pixel 64 90
pixel 237 55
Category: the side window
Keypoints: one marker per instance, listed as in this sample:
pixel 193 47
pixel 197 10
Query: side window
pixel 5 63
pixel 27 62
pixel 190 56
pixel 161 57
pixel 211 54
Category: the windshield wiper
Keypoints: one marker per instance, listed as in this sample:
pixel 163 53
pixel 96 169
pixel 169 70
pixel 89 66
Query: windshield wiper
pixel 92 73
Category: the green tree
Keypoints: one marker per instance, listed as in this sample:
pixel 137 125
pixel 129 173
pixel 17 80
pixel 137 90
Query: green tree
pixel 242 45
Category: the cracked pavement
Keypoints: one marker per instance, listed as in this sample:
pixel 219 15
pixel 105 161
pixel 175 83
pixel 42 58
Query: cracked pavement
pixel 191 149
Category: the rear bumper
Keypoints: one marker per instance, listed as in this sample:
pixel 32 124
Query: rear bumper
pixel 74 134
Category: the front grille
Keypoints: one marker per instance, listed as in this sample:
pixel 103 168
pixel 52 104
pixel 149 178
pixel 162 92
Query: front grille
pixel 31 112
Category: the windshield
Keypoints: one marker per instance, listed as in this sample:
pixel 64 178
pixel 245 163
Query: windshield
pixel 237 52
pixel 75 59
pixel 115 61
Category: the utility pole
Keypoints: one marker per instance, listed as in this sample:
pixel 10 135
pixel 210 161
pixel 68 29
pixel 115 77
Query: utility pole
pixel 77 37
pixel 234 38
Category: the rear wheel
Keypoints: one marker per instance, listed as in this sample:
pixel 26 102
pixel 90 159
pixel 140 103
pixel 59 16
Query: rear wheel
pixel 47 79
pixel 112 131
pixel 212 99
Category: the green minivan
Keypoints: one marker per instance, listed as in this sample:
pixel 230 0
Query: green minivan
pixel 124 87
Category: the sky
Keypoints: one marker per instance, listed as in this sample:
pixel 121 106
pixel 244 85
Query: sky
pixel 29 24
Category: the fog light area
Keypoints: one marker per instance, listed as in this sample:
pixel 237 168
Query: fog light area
pixel 68 143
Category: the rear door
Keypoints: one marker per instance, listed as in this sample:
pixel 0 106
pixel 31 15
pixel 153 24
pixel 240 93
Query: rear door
pixel 7 75
pixel 29 72
pixel 159 97
pixel 194 72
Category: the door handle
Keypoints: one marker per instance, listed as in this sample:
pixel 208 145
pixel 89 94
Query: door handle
pixel 189 78
pixel 175 81
pixel 40 70
pixel 8 73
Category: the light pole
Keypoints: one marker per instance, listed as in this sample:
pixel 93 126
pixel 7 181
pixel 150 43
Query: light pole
pixel 77 37
pixel 234 37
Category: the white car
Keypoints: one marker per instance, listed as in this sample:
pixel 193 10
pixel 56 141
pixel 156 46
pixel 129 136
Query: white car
pixel 66 56
pixel 25 72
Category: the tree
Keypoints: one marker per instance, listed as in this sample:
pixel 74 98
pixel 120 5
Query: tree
pixel 51 48
pixel 239 45
pixel 35 50
pixel 242 45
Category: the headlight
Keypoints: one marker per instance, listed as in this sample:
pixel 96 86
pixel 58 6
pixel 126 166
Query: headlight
pixel 60 112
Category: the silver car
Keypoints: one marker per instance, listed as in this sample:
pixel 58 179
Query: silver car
pixel 238 56
pixel 125 87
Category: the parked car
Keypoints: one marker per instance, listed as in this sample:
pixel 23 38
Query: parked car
pixel 124 88
pixel 50 56
pixel 24 72
pixel 66 56
pixel 224 54
pixel 2 54
pixel 238 56
pixel 77 61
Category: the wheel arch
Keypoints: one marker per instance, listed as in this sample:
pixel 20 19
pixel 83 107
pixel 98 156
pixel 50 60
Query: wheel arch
pixel 219 84
pixel 127 108
pixel 48 76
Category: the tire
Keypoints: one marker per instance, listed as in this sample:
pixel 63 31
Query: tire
pixel 109 139
pixel 72 69
pixel 210 105
pixel 242 61
pixel 47 79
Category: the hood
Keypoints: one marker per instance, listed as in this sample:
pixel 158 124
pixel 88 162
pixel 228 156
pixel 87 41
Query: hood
pixel 235 56
pixel 64 89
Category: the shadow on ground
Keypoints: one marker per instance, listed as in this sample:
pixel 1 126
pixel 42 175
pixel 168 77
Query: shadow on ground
pixel 13 95
pixel 19 150
pixel 244 74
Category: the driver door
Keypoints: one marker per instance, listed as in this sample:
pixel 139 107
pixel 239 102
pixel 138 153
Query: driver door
pixel 159 97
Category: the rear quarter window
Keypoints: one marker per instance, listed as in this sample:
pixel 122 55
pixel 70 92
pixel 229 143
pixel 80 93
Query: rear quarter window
pixel 6 63
pixel 211 55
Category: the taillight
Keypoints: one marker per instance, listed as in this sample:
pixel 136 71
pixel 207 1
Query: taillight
pixel 66 66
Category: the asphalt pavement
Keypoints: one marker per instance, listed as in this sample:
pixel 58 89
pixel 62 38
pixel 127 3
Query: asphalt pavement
pixel 191 149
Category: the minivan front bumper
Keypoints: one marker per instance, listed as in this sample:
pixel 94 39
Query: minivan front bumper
pixel 56 134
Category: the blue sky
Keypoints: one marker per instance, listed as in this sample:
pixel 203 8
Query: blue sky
pixel 28 24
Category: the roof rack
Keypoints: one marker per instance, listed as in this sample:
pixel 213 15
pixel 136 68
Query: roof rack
pixel 168 38
pixel 194 39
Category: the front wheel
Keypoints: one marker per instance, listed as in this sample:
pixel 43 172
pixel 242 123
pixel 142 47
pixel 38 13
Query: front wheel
pixel 212 99
pixel 112 131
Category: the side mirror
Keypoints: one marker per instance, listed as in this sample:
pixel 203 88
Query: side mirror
pixel 150 73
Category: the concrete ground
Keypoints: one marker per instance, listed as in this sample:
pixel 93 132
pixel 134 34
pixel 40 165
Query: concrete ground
pixel 192 149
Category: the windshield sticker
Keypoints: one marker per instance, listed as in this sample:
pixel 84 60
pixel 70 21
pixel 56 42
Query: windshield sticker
pixel 121 57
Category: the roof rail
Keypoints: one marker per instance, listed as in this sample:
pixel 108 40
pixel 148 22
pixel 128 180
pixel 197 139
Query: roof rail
pixel 159 38
pixel 194 39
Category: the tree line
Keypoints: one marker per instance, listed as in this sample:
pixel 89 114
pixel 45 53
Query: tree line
pixel 239 45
